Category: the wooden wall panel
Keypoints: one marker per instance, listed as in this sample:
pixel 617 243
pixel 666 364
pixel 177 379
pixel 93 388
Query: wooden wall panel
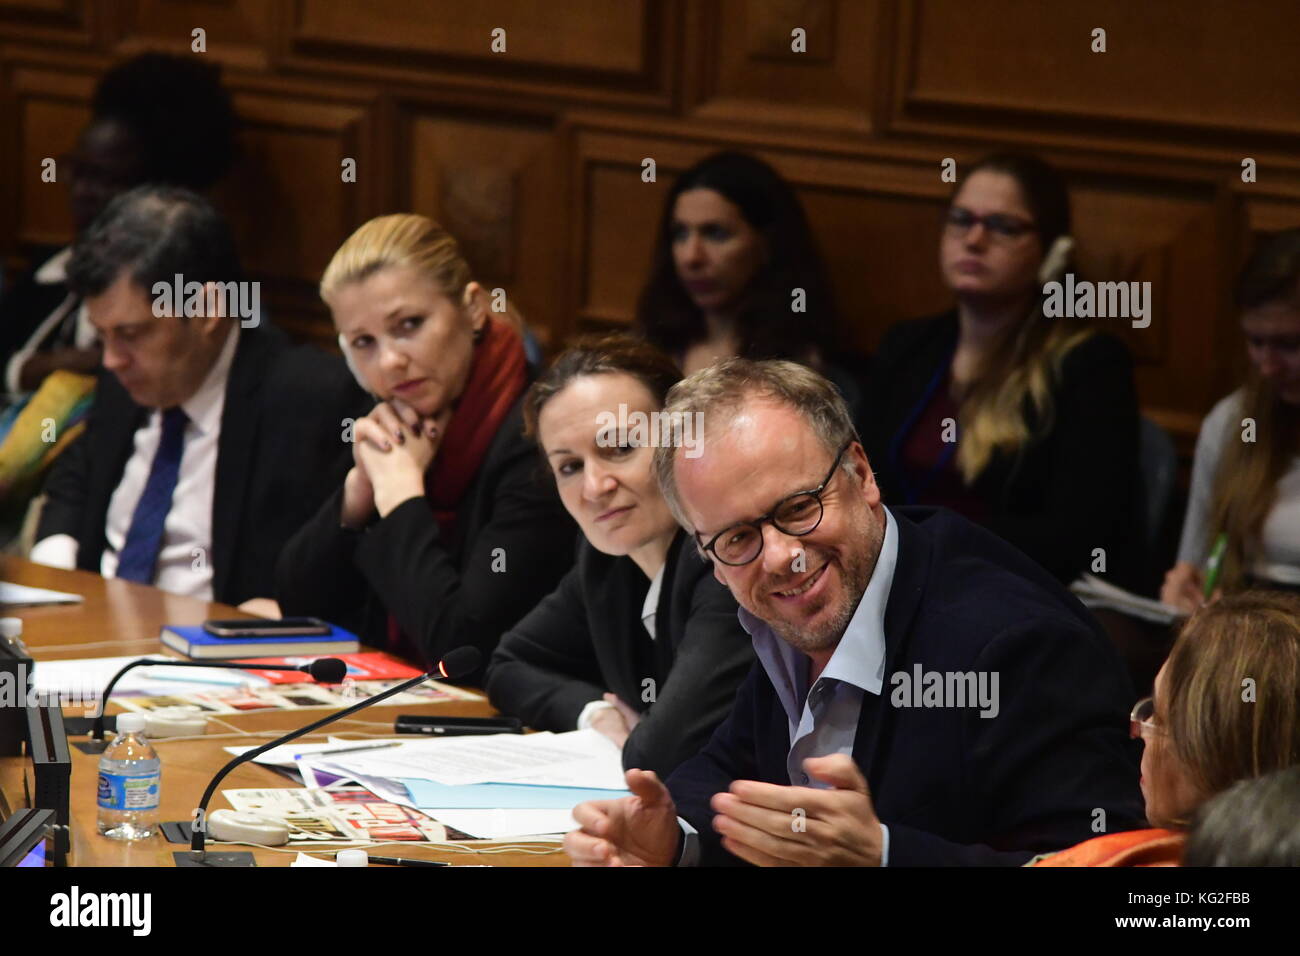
pixel 751 73
pixel 70 22
pixel 533 157
pixel 235 31
pixel 614 51
pixel 287 203
pixel 1213 74
pixel 498 187
pixel 49 108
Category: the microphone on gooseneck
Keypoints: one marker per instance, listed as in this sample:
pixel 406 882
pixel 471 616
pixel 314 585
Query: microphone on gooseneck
pixel 326 670
pixel 458 663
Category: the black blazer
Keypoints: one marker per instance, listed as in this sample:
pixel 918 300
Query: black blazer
pixel 954 787
pixel 278 456
pixel 511 546
pixel 587 638
pixel 1062 494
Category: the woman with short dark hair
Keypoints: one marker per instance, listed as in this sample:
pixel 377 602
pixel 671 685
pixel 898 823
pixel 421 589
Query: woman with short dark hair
pixel 639 641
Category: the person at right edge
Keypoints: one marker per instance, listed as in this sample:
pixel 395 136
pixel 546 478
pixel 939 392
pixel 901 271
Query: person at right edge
pixel 925 694
pixel 1025 424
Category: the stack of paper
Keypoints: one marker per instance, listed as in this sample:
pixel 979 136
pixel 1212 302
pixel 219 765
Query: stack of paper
pixel 1096 593
pixel 492 787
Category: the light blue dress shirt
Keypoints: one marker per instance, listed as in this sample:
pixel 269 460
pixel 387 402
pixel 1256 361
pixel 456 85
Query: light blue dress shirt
pixel 825 720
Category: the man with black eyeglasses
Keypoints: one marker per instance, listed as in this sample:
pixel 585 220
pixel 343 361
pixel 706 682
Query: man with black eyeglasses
pixel 925 694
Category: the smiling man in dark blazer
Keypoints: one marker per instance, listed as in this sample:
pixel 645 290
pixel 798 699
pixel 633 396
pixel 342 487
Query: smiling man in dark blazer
pixel 211 438
pixel 1015 741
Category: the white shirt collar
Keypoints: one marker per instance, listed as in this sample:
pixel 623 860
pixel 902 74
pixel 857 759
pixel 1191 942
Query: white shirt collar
pixel 858 658
pixel 650 606
pixel 203 408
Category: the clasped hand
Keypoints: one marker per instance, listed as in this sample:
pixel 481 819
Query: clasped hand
pixel 392 448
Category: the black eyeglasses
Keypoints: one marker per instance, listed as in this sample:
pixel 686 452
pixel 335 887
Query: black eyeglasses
pixel 797 515
pixel 961 221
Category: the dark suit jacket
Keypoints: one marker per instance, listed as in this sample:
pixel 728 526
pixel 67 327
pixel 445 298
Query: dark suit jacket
pixel 1067 491
pixel 587 638
pixel 954 787
pixel 26 304
pixel 280 452
pixel 510 547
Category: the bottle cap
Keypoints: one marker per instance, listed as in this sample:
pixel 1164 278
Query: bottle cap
pixel 131 723
pixel 11 627
pixel 352 858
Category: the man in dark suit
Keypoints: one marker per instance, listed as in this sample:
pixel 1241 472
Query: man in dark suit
pixel 211 439
pixel 925 693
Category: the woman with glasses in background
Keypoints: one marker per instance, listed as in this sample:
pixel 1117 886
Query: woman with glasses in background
pixel 639 641
pixel 1226 708
pixel 1022 423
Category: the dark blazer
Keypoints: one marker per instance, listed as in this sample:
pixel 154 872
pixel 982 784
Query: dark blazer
pixel 279 454
pixel 26 304
pixel 511 546
pixel 587 638
pixel 954 787
pixel 1062 494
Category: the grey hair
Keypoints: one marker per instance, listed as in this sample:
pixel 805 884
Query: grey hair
pixel 723 389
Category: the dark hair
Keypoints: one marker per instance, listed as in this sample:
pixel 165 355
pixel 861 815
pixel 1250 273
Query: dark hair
pixel 617 354
pixel 1042 187
pixel 765 323
pixel 179 113
pixel 1272 272
pixel 154 233
pixel 1254 822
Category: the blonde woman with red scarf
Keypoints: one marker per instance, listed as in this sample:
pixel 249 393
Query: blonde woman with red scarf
pixel 443 533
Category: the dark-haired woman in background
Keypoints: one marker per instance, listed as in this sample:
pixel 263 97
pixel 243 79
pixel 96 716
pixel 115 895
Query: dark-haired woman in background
pixel 639 641
pixel 1023 423
pixel 1246 473
pixel 733 261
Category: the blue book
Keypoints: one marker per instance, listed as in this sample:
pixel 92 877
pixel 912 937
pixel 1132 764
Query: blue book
pixel 196 643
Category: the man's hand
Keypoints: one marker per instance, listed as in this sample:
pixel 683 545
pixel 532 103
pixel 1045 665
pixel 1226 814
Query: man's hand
pixel 770 825
pixel 640 830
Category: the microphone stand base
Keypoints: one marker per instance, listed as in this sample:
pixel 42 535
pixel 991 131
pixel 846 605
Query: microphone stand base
pixel 223 859
pixel 90 746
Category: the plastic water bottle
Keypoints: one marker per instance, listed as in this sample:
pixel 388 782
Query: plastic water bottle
pixel 130 783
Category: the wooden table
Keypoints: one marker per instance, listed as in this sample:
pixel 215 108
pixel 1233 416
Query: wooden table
pixel 120 618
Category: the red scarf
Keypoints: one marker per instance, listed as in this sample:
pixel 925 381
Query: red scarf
pixel 497 377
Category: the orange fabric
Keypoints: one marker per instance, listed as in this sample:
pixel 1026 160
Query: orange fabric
pixel 1131 848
